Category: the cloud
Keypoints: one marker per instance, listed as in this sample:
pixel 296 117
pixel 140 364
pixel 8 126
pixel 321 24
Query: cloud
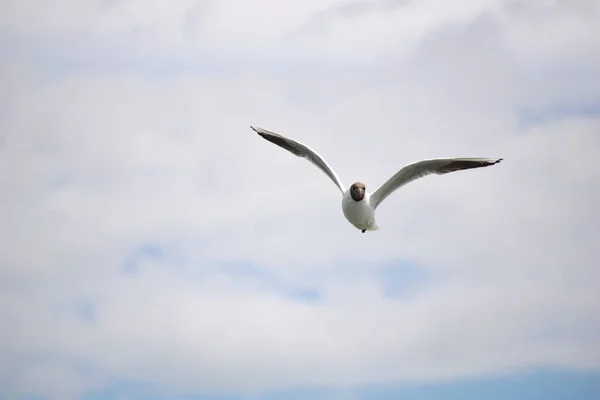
pixel 150 236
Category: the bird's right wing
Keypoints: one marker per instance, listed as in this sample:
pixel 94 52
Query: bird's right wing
pixel 423 168
pixel 300 150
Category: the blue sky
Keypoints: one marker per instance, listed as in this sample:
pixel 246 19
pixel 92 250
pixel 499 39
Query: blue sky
pixel 552 385
pixel 154 245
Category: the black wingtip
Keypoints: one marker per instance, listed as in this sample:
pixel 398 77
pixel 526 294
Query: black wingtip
pixel 261 134
pixel 258 130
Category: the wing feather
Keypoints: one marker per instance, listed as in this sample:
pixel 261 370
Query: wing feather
pixel 423 168
pixel 300 150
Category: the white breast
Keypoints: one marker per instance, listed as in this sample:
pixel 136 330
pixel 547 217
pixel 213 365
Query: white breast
pixel 358 213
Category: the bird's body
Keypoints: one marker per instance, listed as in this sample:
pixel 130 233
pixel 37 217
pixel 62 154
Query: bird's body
pixel 359 213
pixel 359 205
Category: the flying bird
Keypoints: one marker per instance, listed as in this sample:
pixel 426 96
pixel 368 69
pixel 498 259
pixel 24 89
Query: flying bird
pixel 359 205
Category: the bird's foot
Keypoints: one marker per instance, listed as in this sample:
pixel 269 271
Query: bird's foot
pixel 363 231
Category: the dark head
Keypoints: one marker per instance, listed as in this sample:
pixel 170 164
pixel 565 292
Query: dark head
pixel 357 191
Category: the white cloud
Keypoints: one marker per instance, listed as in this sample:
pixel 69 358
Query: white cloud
pixel 98 162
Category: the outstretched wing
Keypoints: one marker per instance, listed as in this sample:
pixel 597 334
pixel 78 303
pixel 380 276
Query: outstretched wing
pixel 300 150
pixel 423 168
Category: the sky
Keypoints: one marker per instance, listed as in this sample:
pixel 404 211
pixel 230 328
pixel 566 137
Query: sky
pixel 154 247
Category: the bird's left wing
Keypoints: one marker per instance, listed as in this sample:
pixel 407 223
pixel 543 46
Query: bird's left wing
pixel 301 150
pixel 423 168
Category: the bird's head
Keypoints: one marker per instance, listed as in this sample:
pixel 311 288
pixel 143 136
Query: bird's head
pixel 357 191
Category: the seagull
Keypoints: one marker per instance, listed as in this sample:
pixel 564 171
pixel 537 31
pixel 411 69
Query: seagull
pixel 359 205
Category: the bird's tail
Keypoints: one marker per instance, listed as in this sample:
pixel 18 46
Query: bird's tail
pixel 374 227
